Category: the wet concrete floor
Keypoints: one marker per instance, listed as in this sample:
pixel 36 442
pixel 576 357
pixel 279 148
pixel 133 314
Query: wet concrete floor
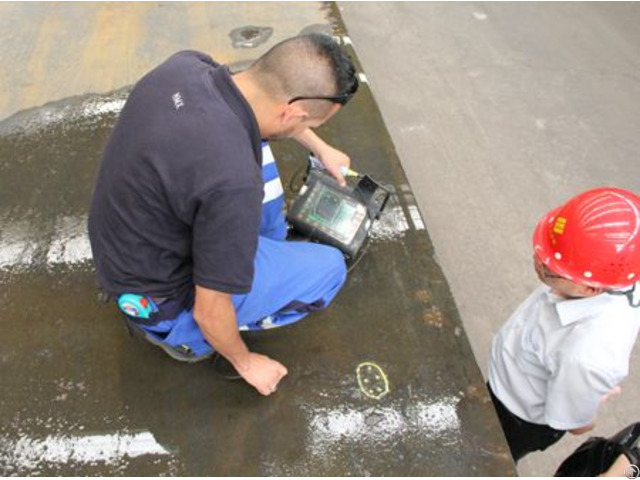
pixel 82 398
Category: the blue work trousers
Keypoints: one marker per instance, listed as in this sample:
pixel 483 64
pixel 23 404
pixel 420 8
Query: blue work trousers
pixel 291 279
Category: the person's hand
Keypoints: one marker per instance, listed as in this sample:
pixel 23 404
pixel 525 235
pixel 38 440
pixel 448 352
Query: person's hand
pixel 333 160
pixel 618 468
pixel 582 430
pixel 611 393
pixel 262 373
pixel 617 390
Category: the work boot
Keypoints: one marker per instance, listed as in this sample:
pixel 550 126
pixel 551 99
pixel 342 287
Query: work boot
pixel 182 353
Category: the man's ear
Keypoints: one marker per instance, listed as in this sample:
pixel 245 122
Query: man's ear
pixel 293 113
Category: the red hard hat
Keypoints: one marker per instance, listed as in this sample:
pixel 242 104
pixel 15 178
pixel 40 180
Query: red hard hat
pixel 593 239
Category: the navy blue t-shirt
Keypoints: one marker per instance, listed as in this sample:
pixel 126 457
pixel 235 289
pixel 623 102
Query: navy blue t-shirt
pixel 179 193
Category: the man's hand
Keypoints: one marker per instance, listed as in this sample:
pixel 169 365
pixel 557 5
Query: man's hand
pixel 605 398
pixel 333 160
pixel 214 313
pixel 618 468
pixel 617 390
pixel 581 430
pixel 262 373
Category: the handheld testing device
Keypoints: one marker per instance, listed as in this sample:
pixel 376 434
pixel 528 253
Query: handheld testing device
pixel 341 216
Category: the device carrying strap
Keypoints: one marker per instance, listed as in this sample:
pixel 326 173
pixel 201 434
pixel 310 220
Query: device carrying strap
pixel 631 294
pixel 597 454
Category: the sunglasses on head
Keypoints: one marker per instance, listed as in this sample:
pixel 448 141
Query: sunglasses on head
pixel 342 99
pixel 548 273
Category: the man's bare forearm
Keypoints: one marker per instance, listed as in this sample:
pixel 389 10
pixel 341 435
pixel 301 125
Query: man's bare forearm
pixel 311 141
pixel 333 159
pixel 216 317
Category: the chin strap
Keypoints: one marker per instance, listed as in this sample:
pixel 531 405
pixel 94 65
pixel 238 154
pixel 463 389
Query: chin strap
pixel 630 294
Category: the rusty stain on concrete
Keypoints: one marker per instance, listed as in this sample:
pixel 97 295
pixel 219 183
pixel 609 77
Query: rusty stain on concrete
pixel 433 317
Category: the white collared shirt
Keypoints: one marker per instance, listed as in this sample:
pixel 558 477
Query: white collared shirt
pixel 555 358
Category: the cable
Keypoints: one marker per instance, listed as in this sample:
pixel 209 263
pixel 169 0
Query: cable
pixel 359 257
pixel 359 194
pixel 294 178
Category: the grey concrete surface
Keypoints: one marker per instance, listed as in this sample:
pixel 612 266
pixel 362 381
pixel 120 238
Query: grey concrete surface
pixel 82 398
pixel 499 112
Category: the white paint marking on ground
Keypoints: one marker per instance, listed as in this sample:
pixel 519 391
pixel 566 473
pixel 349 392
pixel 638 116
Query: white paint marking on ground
pixel 15 252
pixel 70 244
pixel 416 218
pixel 95 108
pixel 28 453
pixel 48 117
pixel 16 245
pixel 480 16
pixel 391 225
pixel 330 427
pixel 90 108
pixel 436 417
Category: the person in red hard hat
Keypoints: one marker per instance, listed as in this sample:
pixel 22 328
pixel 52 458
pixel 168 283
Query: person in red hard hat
pixel 566 348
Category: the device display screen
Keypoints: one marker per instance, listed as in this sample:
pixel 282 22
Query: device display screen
pixel 341 217
pixel 327 207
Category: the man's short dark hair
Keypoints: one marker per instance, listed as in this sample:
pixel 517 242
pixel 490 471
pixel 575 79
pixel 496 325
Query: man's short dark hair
pixel 311 65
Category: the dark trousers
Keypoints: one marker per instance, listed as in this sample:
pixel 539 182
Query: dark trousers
pixel 523 437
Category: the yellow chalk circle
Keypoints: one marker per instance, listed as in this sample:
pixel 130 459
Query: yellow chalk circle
pixel 372 380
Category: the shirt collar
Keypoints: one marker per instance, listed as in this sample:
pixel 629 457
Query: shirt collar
pixel 239 105
pixel 576 309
